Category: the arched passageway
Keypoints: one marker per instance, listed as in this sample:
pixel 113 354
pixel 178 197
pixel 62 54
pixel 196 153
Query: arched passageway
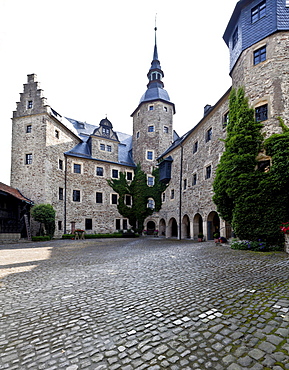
pixel 172 228
pixel 151 226
pixel 162 227
pixel 198 225
pixel 213 225
pixel 186 233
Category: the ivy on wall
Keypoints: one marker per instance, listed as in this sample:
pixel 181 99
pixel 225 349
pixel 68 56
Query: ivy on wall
pixel 140 192
pixel 254 202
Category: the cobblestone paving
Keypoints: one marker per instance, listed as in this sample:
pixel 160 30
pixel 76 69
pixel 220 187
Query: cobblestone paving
pixel 146 304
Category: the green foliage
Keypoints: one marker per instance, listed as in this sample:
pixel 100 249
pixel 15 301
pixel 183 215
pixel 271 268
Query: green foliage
pixel 140 192
pixel 256 246
pixel 40 238
pixel 45 214
pixel 253 202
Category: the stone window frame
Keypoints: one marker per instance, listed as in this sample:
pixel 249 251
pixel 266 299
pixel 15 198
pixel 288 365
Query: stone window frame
pixel 137 135
pixel 151 203
pixel 56 133
pixel 209 134
pixel 60 164
pixel 114 198
pixel 150 180
pixel 114 173
pixel 59 225
pixel 129 175
pixel 185 184
pixel 262 111
pixel 77 167
pixel 225 119
pixel 102 146
pixel 28 128
pixel 29 104
pixel 124 223
pixel 99 171
pixel 152 155
pixel 151 107
pixel 76 195
pixel 260 55
pixel 194 179
pixel 208 171
pixel 172 197
pixel 128 200
pixel 166 130
pixel 151 128
pixel 163 197
pixel 165 108
pixel 195 146
pixel 109 148
pixel 28 158
pixel 99 197
pixel 117 223
pixel 60 193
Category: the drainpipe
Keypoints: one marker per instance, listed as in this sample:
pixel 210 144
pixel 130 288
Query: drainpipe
pixel 65 191
pixel 180 203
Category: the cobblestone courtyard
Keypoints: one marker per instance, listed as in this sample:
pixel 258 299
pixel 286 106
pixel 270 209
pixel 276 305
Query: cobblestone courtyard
pixel 143 303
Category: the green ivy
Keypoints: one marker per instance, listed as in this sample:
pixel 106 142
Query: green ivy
pixel 140 193
pixel 253 202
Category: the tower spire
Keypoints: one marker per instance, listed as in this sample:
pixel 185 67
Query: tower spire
pixel 155 56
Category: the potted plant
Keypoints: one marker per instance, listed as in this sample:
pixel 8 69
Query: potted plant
pixel 156 232
pixel 200 237
pixel 216 236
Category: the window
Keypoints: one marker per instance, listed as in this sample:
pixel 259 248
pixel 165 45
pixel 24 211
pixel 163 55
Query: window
pixel 105 131
pixel 60 164
pixel 264 166
pixel 88 224
pixel 137 135
pixel 29 104
pixel 129 175
pixel 76 168
pixel 195 147
pixel 59 225
pixel 128 200
pixel 113 198
pixel 194 179
pixel 164 197
pixel 225 119
pixel 165 109
pixel 209 135
pixel 151 107
pixel 235 38
pixel 76 195
pixel 28 129
pixel 57 134
pixel 99 171
pixel 172 194
pixel 150 181
pixel 108 148
pixel 60 193
pixel 102 147
pixel 150 155
pixel 114 174
pixel 124 224
pixel 98 197
pixel 166 129
pixel 151 203
pixel 185 184
pixel 151 128
pixel 258 12
pixel 260 55
pixel 208 172
pixel 117 224
pixel 261 113
pixel 28 158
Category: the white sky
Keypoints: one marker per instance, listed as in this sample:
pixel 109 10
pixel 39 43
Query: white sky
pixel 92 57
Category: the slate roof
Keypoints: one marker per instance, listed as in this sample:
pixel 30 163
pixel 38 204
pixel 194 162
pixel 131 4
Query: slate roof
pixel 84 130
pixel 14 192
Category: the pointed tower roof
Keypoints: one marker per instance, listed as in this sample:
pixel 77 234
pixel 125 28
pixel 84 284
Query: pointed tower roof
pixel 155 86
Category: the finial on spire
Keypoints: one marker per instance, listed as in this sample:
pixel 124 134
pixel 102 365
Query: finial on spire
pixel 156 22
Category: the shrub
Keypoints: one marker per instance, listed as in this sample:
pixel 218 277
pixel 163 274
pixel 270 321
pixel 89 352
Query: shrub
pixel 256 246
pixel 40 238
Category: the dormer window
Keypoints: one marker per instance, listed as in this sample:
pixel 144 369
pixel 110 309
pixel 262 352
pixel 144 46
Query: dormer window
pixel 105 131
pixel 258 12
pixel 235 38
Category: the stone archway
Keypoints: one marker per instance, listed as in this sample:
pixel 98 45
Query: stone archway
pixel 198 225
pixel 151 226
pixel 186 233
pixel 162 227
pixel 172 228
pixel 213 224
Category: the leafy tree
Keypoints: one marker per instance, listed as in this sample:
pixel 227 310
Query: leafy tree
pixel 45 214
pixel 253 202
pixel 140 192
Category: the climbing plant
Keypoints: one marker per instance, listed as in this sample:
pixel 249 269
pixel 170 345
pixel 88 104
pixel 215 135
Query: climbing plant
pixel 140 193
pixel 45 214
pixel 252 201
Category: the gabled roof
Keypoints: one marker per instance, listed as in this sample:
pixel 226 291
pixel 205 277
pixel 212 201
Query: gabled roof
pixel 14 192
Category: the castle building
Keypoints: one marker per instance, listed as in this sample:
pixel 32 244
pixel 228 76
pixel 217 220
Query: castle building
pixel 66 162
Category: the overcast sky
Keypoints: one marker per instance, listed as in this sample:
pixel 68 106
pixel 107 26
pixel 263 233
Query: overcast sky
pixel 92 57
